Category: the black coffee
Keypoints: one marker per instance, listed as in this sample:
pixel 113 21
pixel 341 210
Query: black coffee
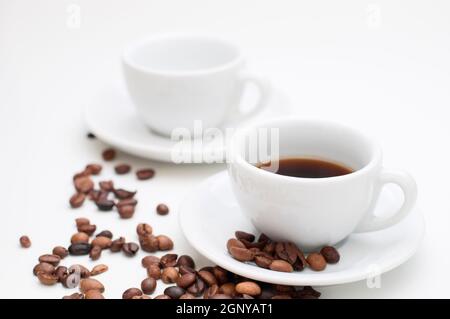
pixel 306 167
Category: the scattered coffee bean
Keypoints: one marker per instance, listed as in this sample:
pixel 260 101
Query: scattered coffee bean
pixel 144 174
pixel 211 291
pixel 60 251
pixel 47 279
pixel 248 288
pixel 185 270
pixel 72 280
pixel 106 186
pixel 131 292
pixel 162 297
pixel 220 296
pixel 91 284
pixel 130 249
pixel 79 249
pixel 242 254
pixel 185 260
pixel 197 288
pixel 174 292
pixel 330 254
pixel 141 297
pixel 148 285
pixel 149 260
pixel 162 209
pixel 25 242
pixel 144 229
pixel 245 236
pixel 164 242
pixel 126 212
pixel 93 169
pixel 122 169
pixel 123 194
pixel 50 259
pixel 316 261
pixel 77 200
pixel 116 245
pixel 168 260
pixel 93 294
pixel 75 295
pixel 104 204
pixel 126 202
pixel 187 296
pixel 99 269
pixel 220 274
pixel 105 233
pixel 228 288
pixel 82 221
pixel 80 270
pixel 169 275
pixel 102 241
pixel 109 154
pixel 281 265
pixel 88 229
pixel 84 184
pixel 149 243
pixel 186 280
pixel 61 272
pixel 95 253
pixel 154 271
pixel 207 277
pixel 79 238
pixel 44 268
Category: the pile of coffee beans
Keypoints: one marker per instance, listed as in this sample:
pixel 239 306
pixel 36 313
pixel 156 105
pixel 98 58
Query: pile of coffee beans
pixel 278 256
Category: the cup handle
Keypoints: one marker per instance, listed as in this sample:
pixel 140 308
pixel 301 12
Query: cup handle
pixel 264 89
pixel 409 188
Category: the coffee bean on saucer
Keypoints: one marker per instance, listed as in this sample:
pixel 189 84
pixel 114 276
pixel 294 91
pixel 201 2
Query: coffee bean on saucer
pixel 123 194
pixel 233 242
pixel 77 200
pixel 122 169
pixel 243 235
pixel 144 174
pixel 242 254
pixel 281 265
pixel 109 154
pixel 148 285
pixel 80 249
pixel 130 249
pixel 330 254
pixel 25 241
pixel 263 261
pixel 316 261
pixel 162 209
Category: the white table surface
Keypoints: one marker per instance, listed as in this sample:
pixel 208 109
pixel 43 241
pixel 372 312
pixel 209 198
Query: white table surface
pixel 382 66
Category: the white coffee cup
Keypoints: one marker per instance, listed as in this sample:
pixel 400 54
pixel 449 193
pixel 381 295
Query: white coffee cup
pixel 176 79
pixel 313 212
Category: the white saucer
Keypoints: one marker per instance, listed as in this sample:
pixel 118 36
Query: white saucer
pixel 111 116
pixel 210 215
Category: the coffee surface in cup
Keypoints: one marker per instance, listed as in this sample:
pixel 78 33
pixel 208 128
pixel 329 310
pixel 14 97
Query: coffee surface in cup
pixel 305 167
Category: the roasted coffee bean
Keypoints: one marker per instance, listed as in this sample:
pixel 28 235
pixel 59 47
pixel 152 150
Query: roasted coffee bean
pixel 60 251
pixel 90 135
pixel 162 209
pixel 109 154
pixel 144 174
pixel 126 202
pixel 43 267
pixel 187 296
pixel 116 245
pixel 75 295
pixel 300 263
pixel 93 169
pixel 220 274
pixel 61 272
pixel 123 194
pixel 88 229
pixel 82 271
pixel 80 249
pixel 143 229
pixel 307 293
pixel 80 174
pixel 50 259
pixel 249 288
pixel 99 269
pixel 316 261
pixel 141 297
pixel 105 233
pixel 106 186
pixel 330 254
pixel 220 296
pixel 233 242
pixel 71 280
pixel 154 271
pixel 93 294
pixel 77 200
pixel 281 265
pixel 149 243
pixel 207 277
pixel 243 235
pixel 148 285
pixel 82 221
pixel 95 253
pixel 126 212
pixel 91 284
pixel 168 260
pixel 169 275
pixel 291 252
pixel 174 292
pixel 242 254
pixel 266 293
pixel 149 260
pixel 131 292
pixel 122 169
pixel 252 245
pixel 130 249
pixel 186 280
pixel 164 242
pixel 284 289
pixel 263 261
pixel 83 184
pixel 185 260
pixel 102 242
pixel 95 195
pixel 186 270
pixel 281 297
pixel 104 205
pixel 211 291
pixel 79 238
pixel 197 288
pixel 162 297
pixel 269 248
pixel 25 242
pixel 228 288
pixel 47 279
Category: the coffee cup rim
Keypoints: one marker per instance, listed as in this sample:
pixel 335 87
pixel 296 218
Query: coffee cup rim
pixel 237 158
pixel 129 61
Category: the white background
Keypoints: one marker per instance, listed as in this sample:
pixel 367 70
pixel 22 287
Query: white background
pixel 382 66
